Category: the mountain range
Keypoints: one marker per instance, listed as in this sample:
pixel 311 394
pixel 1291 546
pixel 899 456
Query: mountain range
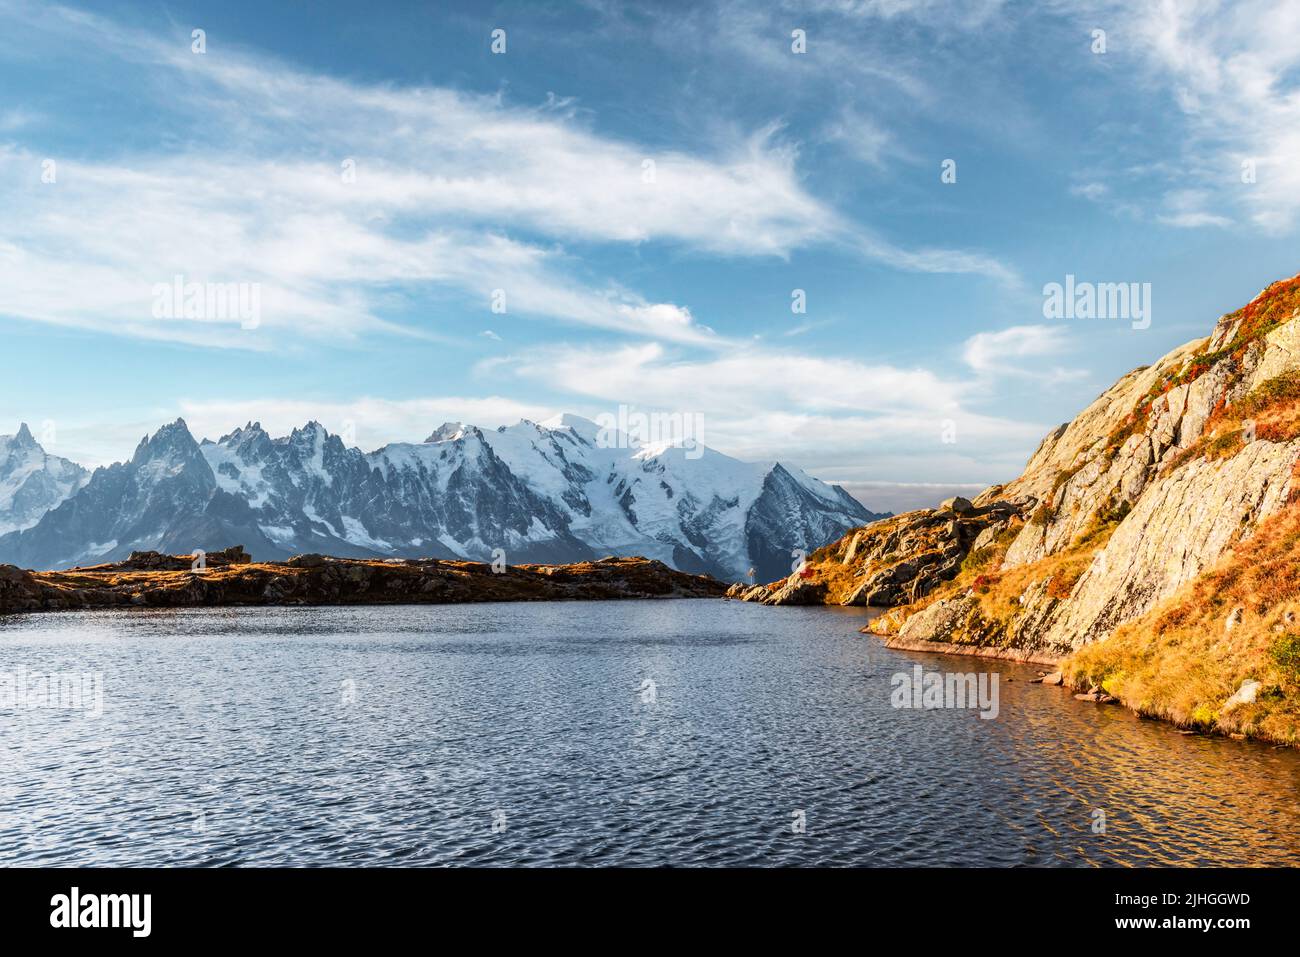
pixel 558 491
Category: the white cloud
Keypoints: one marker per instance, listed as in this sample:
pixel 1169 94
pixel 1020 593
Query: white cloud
pixel 840 419
pixel 1002 353
pixel 1093 191
pixel 940 13
pixel 1187 209
pixel 860 136
pixel 16 119
pixel 745 375
pixel 837 418
pixel 1194 220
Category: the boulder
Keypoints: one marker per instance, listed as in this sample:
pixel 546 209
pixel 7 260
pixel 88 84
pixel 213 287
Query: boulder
pixel 1246 694
pixel 798 591
pixel 234 555
pixel 957 506
pixel 938 621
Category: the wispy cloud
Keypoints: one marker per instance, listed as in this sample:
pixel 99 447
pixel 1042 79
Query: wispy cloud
pixel 1233 70
pixel 1018 351
pixel 341 199
pixel 838 417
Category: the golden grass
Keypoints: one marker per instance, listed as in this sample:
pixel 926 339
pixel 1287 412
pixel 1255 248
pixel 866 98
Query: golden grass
pixel 998 592
pixel 841 580
pixel 1274 409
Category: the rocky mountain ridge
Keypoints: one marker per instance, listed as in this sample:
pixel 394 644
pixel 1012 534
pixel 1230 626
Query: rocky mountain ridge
pixel 560 491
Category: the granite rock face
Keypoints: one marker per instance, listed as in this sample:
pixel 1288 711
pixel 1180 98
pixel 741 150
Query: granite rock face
pixel 1179 527
pixel 1140 458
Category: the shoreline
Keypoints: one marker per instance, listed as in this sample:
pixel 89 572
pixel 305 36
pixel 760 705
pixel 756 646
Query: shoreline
pixel 968 651
pixel 1081 692
pixel 230 579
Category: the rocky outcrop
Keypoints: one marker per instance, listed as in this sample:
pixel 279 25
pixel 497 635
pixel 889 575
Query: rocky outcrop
pixel 151 561
pixel 797 591
pixel 896 561
pixel 319 580
pixel 1152 485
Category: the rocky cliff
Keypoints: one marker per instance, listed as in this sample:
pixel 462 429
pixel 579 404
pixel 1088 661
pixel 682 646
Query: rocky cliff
pixel 1157 506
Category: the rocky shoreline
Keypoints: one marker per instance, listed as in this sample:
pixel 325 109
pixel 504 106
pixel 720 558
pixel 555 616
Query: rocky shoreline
pixel 900 643
pixel 230 578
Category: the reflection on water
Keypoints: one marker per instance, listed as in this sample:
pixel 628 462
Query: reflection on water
pixel 672 732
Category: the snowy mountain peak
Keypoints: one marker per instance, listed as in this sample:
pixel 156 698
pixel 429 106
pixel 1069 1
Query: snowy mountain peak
pixel 171 441
pixel 446 432
pixel 24 439
pixel 313 431
pixel 567 420
pixel 246 436
pixel 31 481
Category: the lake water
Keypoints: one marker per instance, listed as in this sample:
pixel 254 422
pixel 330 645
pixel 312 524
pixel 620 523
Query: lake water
pixel 608 733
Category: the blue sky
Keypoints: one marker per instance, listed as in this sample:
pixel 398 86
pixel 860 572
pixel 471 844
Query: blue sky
pixel 526 172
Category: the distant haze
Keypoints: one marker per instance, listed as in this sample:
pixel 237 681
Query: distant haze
pixel 906 496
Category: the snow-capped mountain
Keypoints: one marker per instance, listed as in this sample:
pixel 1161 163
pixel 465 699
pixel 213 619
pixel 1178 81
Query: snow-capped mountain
pixel 558 491
pixel 32 481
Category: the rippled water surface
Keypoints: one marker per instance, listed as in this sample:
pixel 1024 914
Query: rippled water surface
pixel 524 734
